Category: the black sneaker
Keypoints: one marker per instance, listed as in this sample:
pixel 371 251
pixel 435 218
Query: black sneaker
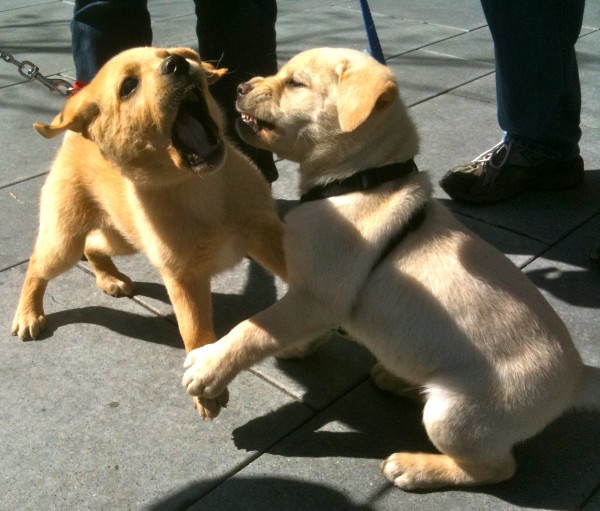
pixel 506 170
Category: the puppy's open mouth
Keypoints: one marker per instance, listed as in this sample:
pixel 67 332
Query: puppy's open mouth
pixel 255 124
pixel 195 135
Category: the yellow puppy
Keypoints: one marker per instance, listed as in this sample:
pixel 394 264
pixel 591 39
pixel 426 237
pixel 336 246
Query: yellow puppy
pixel 144 166
pixel 369 250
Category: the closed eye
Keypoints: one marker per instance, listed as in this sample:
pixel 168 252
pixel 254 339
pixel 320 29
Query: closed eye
pixel 293 83
pixel 128 87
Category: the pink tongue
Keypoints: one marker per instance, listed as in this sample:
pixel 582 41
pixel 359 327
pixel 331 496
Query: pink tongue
pixel 192 135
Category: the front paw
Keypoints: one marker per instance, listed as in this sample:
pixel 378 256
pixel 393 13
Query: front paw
pixel 208 408
pixel 28 325
pixel 204 376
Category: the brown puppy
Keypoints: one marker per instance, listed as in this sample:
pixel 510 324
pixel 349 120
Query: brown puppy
pixel 444 312
pixel 144 166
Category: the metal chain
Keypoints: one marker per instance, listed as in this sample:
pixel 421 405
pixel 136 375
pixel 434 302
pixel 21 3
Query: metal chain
pixel 31 72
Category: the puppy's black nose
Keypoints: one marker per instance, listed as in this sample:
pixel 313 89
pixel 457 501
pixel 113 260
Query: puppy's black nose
pixel 175 64
pixel 244 88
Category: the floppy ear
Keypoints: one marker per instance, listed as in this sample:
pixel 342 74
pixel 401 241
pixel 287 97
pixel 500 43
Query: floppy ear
pixel 361 90
pixel 77 115
pixel 212 73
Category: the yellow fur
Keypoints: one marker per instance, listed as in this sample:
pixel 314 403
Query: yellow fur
pixel 448 316
pixel 118 185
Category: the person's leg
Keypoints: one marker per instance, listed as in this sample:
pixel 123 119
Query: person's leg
pixel 537 80
pixel 102 28
pixel 239 35
pixel 539 103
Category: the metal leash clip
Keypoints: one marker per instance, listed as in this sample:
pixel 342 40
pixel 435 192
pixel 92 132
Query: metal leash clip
pixel 31 72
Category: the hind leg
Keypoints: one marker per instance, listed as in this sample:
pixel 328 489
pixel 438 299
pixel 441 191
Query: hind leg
pixel 389 382
pixel 475 444
pixel 99 246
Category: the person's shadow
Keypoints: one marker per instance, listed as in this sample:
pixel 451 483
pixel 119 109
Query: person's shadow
pixel 256 494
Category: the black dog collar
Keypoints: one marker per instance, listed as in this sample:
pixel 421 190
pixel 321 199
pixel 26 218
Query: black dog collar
pixel 361 181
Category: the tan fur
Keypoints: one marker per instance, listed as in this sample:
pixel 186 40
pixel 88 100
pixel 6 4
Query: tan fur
pixel 118 185
pixel 444 312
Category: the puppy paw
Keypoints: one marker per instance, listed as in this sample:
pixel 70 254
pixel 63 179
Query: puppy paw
pixel 201 380
pixel 409 471
pixel 208 408
pixel 28 325
pixel 420 471
pixel 205 376
pixel 115 285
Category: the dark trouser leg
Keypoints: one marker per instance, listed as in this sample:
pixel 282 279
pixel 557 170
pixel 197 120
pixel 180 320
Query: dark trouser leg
pixel 537 80
pixel 239 35
pixel 102 28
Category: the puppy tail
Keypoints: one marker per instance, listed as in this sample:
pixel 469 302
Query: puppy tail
pixel 590 395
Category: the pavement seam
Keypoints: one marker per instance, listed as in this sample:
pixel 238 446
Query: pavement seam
pixel 444 39
pixel 444 92
pixel 24 180
pixel 563 238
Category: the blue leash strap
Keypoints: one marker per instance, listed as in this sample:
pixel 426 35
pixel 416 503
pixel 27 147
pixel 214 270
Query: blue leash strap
pixel 374 45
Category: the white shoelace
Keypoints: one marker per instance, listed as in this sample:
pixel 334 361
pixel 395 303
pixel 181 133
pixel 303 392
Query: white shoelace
pixel 487 156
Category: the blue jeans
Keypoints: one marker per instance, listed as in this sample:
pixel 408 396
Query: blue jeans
pixel 237 34
pixel 537 80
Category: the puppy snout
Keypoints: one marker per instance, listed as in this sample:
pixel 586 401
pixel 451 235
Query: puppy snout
pixel 244 88
pixel 175 64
